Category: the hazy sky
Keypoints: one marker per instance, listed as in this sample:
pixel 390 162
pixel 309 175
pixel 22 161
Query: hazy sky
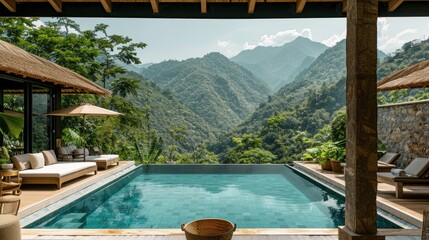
pixel 181 39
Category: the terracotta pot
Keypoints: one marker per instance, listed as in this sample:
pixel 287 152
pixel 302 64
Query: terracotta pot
pixel 326 165
pixel 336 166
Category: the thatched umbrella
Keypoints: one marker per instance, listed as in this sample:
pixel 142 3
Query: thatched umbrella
pixel 83 110
pixel 415 76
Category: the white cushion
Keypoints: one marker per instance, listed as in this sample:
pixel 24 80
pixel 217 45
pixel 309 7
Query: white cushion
pixel 58 169
pixel 37 160
pixel 102 158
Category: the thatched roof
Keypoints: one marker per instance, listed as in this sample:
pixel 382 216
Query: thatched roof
pixel 415 76
pixel 16 61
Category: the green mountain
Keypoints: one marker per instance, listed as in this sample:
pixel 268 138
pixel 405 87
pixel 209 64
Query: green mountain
pixel 218 90
pixel 305 106
pixel 280 65
pixel 330 66
pixel 167 114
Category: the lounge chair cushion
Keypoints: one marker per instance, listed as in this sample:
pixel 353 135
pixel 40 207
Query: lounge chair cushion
pixel 64 155
pixel 37 160
pixel 57 170
pixel 102 158
pixel 50 157
pixel 78 153
pixel 21 162
pixel 389 157
pixel 417 167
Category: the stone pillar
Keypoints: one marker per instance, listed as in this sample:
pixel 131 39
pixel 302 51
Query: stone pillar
pixel 361 98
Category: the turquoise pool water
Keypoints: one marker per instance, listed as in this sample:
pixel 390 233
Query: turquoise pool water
pixel 282 199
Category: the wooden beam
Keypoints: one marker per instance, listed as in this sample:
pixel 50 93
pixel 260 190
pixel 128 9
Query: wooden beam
pixel 107 5
pixel 57 5
pixel 203 6
pixel 251 8
pixel 394 4
pixel 9 4
pixel 300 5
pixel 155 6
pixel 345 5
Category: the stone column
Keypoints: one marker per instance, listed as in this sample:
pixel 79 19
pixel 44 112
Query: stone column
pixel 361 98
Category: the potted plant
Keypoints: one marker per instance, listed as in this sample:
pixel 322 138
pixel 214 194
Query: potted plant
pixel 324 156
pixel 4 159
pixel 338 155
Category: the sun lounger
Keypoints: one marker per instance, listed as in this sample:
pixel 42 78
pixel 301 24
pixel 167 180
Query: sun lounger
pixel 104 161
pixel 416 173
pixel 51 171
pixel 388 158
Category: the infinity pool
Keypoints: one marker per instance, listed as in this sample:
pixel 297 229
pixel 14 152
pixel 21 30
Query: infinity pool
pixel 265 197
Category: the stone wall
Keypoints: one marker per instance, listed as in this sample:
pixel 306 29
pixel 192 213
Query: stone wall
pixel 404 128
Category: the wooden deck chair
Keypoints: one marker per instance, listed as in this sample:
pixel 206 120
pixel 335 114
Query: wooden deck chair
pixel 388 157
pixel 416 173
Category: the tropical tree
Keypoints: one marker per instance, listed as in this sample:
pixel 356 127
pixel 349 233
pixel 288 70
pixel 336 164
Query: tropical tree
pixel 126 86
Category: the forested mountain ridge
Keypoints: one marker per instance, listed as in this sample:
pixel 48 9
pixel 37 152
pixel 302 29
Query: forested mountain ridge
pixel 167 115
pixel 329 66
pixel 215 88
pixel 285 126
pixel 279 65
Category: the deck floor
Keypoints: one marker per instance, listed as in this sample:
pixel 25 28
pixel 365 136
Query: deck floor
pixel 182 237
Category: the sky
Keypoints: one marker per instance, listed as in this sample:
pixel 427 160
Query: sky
pixel 181 39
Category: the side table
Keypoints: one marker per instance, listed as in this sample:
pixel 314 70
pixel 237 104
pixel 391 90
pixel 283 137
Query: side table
pixel 8 185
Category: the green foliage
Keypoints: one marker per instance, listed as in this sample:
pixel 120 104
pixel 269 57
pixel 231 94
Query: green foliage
pixel 338 126
pixel 13 125
pixel 248 150
pixel 4 155
pixel 70 137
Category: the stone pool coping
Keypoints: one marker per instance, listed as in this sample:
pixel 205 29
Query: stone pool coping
pixel 164 232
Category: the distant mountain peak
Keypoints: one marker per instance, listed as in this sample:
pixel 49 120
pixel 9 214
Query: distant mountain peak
pixel 279 65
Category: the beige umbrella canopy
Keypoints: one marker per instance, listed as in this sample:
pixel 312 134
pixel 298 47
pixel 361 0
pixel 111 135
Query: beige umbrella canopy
pixel 83 110
pixel 415 76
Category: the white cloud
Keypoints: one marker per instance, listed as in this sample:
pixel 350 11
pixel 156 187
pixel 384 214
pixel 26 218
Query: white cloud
pixel 280 38
pixel 227 48
pixel 382 27
pixel 224 44
pixel 248 46
pixel 334 39
pixel 389 44
pixel 38 24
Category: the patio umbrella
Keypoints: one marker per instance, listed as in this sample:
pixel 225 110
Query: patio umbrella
pixel 415 76
pixel 83 110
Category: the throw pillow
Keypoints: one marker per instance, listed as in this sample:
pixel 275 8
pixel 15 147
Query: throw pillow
pixel 50 157
pixel 37 160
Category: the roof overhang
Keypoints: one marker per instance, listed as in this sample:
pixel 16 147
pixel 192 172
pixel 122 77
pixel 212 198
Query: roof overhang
pixel 210 9
pixel 18 65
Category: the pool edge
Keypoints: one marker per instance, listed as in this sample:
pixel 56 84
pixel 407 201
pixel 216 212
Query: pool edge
pixel 244 231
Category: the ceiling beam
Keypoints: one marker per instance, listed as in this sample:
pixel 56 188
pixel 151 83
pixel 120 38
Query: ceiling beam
pixel 203 6
pixel 57 5
pixel 394 4
pixel 9 4
pixel 300 5
pixel 251 8
pixel 345 5
pixel 107 5
pixel 155 6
